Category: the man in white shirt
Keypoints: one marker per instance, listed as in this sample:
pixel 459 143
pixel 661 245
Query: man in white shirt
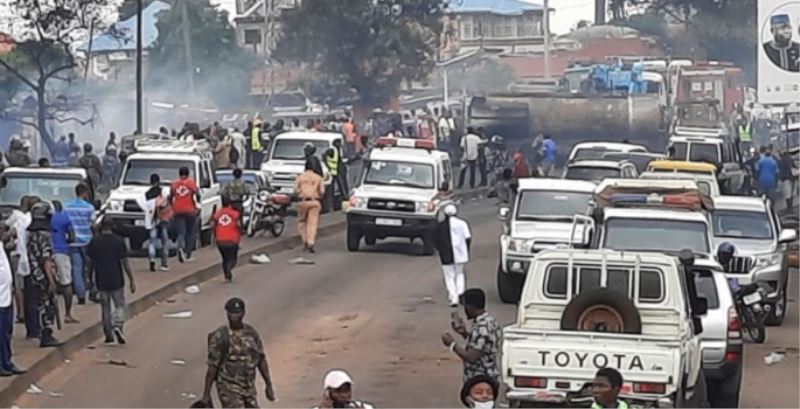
pixel 19 220
pixel 7 368
pixel 470 146
pixel 453 238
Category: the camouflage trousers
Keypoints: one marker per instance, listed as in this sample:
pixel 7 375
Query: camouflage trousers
pixel 229 399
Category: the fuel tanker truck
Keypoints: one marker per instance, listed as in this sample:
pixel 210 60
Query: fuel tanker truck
pixel 590 102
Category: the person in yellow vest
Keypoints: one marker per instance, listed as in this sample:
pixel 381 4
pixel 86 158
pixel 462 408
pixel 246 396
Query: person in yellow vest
pixel 333 160
pixel 256 147
pixel 605 389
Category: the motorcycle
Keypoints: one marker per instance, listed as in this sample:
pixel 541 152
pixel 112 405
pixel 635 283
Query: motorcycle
pixel 748 300
pixel 268 212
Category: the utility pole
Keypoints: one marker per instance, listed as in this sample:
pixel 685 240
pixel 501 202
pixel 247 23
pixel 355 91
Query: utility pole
pixel 187 46
pixel 269 23
pixel 139 101
pixel 546 39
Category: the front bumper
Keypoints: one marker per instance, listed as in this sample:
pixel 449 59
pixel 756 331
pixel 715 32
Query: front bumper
pixel 772 276
pixel 409 225
pixel 127 224
pixel 515 263
pixel 558 398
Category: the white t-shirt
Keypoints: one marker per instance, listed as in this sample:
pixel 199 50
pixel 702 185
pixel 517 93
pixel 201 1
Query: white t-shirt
pixel 470 145
pixel 6 280
pixel 20 221
pixel 459 233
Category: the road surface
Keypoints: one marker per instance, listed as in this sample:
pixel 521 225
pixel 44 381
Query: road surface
pixel 377 313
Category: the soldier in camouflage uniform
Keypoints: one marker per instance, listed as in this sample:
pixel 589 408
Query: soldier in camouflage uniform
pixel 234 353
pixel 40 287
pixel 236 191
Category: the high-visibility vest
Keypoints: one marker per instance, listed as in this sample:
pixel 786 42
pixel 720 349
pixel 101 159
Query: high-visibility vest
pixel 744 133
pixel 621 404
pixel 333 162
pixel 255 139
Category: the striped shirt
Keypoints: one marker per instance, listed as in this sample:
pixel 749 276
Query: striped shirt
pixel 81 213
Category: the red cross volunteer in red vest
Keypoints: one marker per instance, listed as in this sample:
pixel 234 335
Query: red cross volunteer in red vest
pixel 184 197
pixel 228 234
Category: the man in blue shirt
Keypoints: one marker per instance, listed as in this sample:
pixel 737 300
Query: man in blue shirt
pixel 62 235
pixel 549 151
pixel 767 172
pixel 81 213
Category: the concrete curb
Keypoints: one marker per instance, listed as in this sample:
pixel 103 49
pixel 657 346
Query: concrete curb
pixel 81 340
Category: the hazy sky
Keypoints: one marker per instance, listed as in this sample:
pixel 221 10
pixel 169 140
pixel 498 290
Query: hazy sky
pixel 567 13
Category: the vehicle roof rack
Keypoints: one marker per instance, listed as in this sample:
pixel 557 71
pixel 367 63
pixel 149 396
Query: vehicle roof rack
pixel 200 147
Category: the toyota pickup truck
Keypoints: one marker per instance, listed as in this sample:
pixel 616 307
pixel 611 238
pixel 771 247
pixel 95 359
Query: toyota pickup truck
pixel 582 310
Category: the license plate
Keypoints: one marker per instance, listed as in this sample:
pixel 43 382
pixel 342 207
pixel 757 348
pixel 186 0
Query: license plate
pixel 138 223
pixel 753 298
pixel 388 222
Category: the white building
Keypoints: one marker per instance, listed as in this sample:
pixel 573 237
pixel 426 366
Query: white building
pixel 253 30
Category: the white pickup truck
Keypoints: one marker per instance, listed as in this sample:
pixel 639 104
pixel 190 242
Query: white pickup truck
pixel 582 310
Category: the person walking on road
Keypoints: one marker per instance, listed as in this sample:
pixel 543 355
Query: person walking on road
pixel 92 164
pixel 40 289
pixel 483 341
pixel 452 238
pixel 228 233
pixel 333 161
pixel 184 197
pixel 479 392
pixel 108 256
pixel 338 392
pixel 549 152
pixel 470 144
pixel 7 367
pixel 235 352
pixel 768 172
pixel 236 191
pixel 19 220
pixel 309 189
pixel 157 216
pixel 81 214
pixel 63 235
pixel 605 389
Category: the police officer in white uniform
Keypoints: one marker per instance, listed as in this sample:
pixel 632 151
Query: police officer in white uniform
pixel 452 237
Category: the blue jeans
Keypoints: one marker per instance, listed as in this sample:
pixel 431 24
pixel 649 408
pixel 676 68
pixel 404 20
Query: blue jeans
pixel 6 330
pixel 186 224
pixel 160 229
pixel 77 256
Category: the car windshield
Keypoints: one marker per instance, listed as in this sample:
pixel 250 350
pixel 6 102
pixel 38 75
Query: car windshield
pixel 741 225
pixel 704 152
pixel 535 204
pixel 592 174
pixel 249 181
pixel 46 187
pixel 656 235
pixel 292 149
pixel 138 171
pixel 589 153
pixel 417 175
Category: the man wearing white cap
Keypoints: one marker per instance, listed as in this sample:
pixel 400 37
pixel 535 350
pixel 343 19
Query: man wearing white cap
pixel 338 386
pixel 452 238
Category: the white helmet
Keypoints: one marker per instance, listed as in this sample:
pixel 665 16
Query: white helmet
pixel 450 209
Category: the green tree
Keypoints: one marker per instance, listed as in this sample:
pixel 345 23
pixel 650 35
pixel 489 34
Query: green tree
pixel 371 47
pixel 44 60
pixel 220 69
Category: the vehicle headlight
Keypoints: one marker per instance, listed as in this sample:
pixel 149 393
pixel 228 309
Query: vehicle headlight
pixel 520 245
pixel 357 202
pixel 766 260
pixel 263 195
pixel 115 205
pixel 424 206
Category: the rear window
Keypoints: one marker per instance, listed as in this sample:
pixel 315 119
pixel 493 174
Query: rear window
pixel 651 283
pixel 556 282
pixel 705 153
pixel 651 286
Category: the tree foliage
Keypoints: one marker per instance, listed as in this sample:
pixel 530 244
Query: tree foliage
pixel 371 47
pixel 44 60
pixel 713 29
pixel 221 69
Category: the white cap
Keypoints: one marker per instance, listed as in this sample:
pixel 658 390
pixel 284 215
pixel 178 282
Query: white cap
pixel 336 378
pixel 450 209
pixel 26 144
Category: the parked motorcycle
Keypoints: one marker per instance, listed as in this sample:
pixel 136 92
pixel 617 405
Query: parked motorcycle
pixel 751 309
pixel 268 212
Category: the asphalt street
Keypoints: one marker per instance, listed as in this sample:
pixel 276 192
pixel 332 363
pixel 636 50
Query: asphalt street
pixel 378 313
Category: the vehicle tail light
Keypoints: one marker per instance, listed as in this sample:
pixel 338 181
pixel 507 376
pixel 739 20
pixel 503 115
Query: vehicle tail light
pixel 734 325
pixel 731 356
pixel 530 382
pixel 648 387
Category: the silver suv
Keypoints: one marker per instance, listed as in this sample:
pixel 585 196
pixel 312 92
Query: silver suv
pixel 751 225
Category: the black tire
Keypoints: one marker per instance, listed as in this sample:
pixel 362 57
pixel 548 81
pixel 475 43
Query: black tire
pixel 370 240
pixel 778 311
pixel 724 393
pixel 755 327
pixel 631 320
pixel 353 239
pixel 428 246
pixel 509 286
pixel 278 227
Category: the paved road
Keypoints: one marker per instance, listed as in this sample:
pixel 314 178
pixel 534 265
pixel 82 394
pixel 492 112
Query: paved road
pixel 377 313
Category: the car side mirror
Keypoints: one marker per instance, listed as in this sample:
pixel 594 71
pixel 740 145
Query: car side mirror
pixel 787 236
pixel 502 214
pixel 697 323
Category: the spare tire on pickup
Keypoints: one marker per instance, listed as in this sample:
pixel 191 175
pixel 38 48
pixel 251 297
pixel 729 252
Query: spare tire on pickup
pixel 602 310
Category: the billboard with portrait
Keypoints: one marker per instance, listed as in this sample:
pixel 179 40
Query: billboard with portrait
pixel 778 51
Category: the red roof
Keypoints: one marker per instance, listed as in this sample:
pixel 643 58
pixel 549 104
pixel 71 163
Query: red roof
pixel 595 50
